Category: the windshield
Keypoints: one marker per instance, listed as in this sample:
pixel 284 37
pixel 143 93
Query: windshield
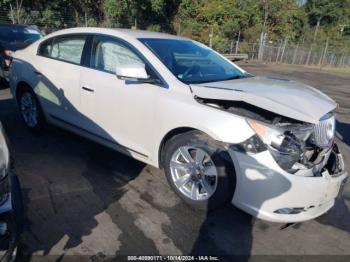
pixel 191 62
pixel 23 35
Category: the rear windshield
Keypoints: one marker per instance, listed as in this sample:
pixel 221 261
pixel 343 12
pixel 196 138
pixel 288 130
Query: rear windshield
pixel 16 34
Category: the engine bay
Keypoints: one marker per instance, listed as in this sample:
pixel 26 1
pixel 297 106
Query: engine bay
pixel 297 147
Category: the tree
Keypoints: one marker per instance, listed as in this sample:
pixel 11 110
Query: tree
pixel 198 19
pixel 16 11
pixel 116 12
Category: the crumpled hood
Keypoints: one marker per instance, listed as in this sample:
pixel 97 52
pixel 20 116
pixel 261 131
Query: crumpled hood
pixel 281 96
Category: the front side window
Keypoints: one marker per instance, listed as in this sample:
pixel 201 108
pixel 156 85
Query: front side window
pixel 67 48
pixel 107 55
pixel 192 62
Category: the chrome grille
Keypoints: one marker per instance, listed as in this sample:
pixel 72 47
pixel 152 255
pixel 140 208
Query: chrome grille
pixel 324 131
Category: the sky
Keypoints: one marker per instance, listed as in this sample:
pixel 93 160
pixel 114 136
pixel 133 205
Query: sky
pixel 301 2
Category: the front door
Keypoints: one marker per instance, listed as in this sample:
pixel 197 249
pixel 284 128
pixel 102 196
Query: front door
pixel 119 111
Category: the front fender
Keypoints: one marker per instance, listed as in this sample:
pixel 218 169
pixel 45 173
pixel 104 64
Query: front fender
pixel 188 114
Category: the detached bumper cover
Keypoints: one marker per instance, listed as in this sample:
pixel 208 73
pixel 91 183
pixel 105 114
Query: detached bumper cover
pixel 264 188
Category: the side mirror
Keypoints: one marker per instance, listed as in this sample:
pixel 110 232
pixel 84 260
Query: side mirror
pixel 135 72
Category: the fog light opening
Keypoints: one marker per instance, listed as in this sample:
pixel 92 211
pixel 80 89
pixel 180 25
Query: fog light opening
pixel 289 211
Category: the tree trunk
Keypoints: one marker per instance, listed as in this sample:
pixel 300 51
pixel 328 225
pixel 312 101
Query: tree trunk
pixel 324 53
pixel 237 42
pixel 314 39
pixel 284 48
pixel 295 54
pixel 317 26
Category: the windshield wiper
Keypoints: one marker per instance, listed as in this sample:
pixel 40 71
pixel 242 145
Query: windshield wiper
pixel 234 77
pixel 246 75
pixel 221 80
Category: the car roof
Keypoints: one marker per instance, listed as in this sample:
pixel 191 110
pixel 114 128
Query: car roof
pixel 18 26
pixel 147 34
pixel 137 34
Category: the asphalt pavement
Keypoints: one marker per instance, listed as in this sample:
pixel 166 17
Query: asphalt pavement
pixel 83 199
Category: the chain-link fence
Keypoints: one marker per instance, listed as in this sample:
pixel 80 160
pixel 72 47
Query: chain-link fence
pixel 312 54
pixel 4 15
pixel 48 22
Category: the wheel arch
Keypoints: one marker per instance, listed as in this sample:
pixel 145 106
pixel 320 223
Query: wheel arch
pixel 174 132
pixel 20 86
pixel 219 151
pixel 167 137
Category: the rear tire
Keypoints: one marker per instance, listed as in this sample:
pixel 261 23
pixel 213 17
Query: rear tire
pixel 30 110
pixel 3 83
pixel 199 170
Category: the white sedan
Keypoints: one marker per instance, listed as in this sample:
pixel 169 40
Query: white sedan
pixel 221 134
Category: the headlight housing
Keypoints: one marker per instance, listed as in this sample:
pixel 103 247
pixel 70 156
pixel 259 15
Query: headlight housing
pixel 4 154
pixel 285 143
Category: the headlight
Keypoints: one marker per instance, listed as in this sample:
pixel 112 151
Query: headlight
pixel 4 154
pixel 284 143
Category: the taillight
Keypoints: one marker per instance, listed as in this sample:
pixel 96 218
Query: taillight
pixel 8 56
pixel 7 52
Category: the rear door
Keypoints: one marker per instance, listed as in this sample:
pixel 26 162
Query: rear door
pixel 58 67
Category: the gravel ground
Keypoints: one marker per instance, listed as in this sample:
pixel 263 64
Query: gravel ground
pixel 83 199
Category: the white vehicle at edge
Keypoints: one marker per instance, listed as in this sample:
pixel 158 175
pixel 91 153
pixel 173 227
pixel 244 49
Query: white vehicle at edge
pixel 221 134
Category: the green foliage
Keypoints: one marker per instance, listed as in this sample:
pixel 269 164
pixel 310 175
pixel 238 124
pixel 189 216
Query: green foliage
pixel 280 19
pixel 298 21
pixel 154 28
pixel 157 6
pixel 115 12
pixel 328 12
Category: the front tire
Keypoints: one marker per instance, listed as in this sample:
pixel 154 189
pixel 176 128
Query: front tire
pixel 30 109
pixel 199 170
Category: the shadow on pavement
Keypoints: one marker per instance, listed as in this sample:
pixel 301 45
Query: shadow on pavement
pixel 61 212
pixel 4 84
pixel 343 132
pixel 228 232
pixel 65 205
pixel 339 215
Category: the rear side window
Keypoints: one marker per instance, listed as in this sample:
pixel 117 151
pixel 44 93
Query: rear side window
pixel 66 48
pixel 69 49
pixel 45 48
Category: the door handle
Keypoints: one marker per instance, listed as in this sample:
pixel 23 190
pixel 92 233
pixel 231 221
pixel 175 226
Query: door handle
pixel 88 89
pixel 37 72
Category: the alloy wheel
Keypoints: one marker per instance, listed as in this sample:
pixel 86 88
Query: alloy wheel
pixel 193 173
pixel 29 109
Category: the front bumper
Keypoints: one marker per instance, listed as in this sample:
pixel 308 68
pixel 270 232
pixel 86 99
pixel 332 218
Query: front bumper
pixel 262 188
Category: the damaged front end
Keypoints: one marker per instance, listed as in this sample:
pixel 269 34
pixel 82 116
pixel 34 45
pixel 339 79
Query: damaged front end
pixel 299 148
pixel 288 169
